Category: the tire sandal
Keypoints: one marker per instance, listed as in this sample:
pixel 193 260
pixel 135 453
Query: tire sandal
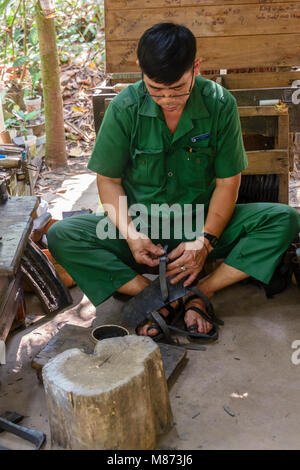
pixel 173 312
pixel 160 293
pixel 209 317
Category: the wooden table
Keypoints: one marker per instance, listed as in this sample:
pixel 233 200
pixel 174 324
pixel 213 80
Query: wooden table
pixel 15 227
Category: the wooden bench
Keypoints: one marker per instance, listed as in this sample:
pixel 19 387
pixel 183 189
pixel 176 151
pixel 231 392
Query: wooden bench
pixel 15 227
pixel 21 259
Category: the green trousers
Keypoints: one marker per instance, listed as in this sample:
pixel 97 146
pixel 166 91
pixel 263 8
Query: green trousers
pixel 254 241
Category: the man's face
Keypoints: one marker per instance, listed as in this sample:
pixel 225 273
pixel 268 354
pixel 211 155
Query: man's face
pixel 172 98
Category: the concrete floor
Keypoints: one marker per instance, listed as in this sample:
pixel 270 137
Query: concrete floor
pixel 249 370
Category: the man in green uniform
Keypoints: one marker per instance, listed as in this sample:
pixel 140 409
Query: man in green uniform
pixel 172 138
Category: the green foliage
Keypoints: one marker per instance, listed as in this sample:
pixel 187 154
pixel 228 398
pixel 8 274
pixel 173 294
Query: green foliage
pixel 4 5
pixel 21 116
pixel 21 60
pixel 19 119
pixel 80 24
pixel 35 75
pixel 79 27
pixel 33 37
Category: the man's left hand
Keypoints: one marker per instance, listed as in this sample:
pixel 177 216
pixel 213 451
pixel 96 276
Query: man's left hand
pixel 192 256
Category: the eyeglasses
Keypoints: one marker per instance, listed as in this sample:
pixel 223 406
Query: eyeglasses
pixel 146 92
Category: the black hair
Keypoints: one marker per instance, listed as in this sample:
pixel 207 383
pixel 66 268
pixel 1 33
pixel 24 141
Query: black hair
pixel 166 51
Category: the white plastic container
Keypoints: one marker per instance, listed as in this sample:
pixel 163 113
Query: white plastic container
pixel 13 133
pixel 33 104
pixel 42 209
pixel 268 102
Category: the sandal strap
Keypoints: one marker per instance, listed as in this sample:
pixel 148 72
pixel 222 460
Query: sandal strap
pixel 163 325
pixel 209 307
pixel 191 297
pixel 187 333
pixel 203 314
pixel 174 312
pixel 162 275
pixel 154 326
pixel 193 335
pixel 198 335
pixel 166 330
pixel 199 293
pixel 191 328
pixel 171 311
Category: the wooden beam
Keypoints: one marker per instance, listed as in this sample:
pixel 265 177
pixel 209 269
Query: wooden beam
pixel 233 81
pixel 265 162
pixel 248 111
pixel 238 81
pixel 205 21
pixel 219 52
pixel 144 4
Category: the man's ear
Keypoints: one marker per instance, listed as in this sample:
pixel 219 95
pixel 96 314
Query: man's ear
pixel 137 62
pixel 197 64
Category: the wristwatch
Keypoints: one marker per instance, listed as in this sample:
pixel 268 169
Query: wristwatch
pixel 211 238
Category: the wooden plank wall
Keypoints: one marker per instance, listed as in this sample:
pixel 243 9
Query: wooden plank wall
pixel 230 33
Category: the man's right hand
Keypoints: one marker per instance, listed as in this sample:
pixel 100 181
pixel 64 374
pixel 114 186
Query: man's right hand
pixel 144 251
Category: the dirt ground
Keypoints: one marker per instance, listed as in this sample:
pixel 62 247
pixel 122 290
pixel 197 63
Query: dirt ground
pixel 241 393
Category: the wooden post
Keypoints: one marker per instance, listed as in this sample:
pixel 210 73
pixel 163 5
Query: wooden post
pixel 106 102
pixel 283 191
pixel 114 399
pixel 291 152
pixel 283 132
pixel 297 147
pixel 283 143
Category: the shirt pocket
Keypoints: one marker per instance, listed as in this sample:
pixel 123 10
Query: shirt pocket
pixel 148 167
pixel 198 165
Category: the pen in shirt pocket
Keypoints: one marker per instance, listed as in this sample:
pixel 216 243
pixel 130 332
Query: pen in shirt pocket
pixel 197 138
pixel 190 151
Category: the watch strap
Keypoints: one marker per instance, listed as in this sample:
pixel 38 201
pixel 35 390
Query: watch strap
pixel 213 240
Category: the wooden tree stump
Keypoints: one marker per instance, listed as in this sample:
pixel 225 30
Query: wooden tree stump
pixel 114 399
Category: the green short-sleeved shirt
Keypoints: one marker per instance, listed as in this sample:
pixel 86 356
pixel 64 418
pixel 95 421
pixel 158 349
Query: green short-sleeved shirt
pixel 135 144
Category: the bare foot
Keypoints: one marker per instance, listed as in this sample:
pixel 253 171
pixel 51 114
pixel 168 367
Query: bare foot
pixel 145 329
pixel 193 318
